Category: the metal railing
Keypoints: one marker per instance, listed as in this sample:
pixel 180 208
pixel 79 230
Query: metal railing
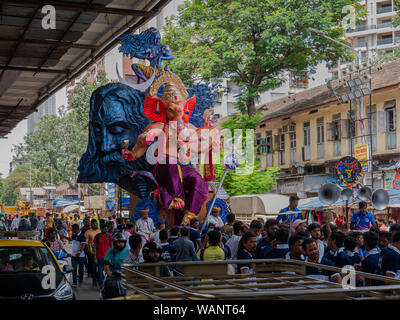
pixel 385 25
pixel 384 10
pixel 384 41
pixel 363 27
pixel 272 279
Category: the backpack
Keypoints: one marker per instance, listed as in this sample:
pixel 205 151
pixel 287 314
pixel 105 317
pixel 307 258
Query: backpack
pixel 202 253
pixel 98 237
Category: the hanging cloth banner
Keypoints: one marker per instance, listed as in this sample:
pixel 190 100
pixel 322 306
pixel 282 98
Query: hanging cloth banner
pixel 349 170
pixel 396 181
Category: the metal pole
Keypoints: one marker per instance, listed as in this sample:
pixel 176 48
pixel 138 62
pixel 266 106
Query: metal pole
pixel 370 150
pixel 214 199
pixel 30 184
pixel 79 198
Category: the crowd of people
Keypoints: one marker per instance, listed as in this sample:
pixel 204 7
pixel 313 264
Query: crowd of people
pixel 102 246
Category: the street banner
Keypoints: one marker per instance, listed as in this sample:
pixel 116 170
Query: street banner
pixel 94 202
pixel 361 154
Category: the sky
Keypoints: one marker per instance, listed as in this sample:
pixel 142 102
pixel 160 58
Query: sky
pixel 16 136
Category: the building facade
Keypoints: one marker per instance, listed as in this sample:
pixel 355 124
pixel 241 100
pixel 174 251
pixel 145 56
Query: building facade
pixel 375 35
pixel 46 108
pixel 306 134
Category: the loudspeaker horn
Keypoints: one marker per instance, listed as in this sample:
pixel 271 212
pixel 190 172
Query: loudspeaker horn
pixel 346 194
pixel 365 194
pixel 380 199
pixel 329 193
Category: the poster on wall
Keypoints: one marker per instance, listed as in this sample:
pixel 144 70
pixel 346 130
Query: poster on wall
pixel 390 176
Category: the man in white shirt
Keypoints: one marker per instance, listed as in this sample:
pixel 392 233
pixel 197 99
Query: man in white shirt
pixel 145 227
pixel 233 242
pixel 214 218
pixel 15 223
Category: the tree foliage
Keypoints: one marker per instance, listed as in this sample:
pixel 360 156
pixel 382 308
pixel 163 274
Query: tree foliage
pixel 19 178
pixel 61 139
pixel 252 42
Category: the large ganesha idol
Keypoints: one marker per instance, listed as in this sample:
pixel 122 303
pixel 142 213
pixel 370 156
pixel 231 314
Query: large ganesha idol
pixel 180 186
pixel 158 129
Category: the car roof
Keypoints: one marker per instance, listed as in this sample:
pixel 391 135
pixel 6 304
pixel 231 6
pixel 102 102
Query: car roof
pixel 20 243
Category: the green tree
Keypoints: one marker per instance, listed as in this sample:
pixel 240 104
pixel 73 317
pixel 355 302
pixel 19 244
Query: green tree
pixel 19 178
pixel 61 139
pixel 257 182
pixel 252 42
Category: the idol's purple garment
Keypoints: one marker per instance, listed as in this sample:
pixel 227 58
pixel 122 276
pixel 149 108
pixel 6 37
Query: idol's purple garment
pixel 193 189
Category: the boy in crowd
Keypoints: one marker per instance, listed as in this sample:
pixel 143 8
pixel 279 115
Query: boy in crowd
pixel 389 260
pixel 77 255
pixel 135 256
pixel 394 228
pixel 228 227
pixel 214 251
pixel 315 232
pixel 256 227
pixel 298 226
pixel 335 244
pixel 264 246
pixel 312 255
pixel 173 235
pixel 281 248
pixel 295 248
pixel 102 243
pixel 370 263
pixel 285 220
pixel 385 237
pixel 350 254
pixel 194 234
pixel 233 242
pixel 168 250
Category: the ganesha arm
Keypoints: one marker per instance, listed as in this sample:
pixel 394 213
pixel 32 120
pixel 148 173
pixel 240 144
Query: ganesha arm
pixel 145 138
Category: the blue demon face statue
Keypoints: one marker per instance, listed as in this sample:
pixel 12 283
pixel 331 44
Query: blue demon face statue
pixel 116 114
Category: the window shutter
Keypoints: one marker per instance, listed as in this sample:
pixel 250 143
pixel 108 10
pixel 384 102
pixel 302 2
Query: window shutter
pixel 329 131
pixel 345 128
pixel 381 121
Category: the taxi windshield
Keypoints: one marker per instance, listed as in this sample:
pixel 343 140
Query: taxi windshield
pixel 24 259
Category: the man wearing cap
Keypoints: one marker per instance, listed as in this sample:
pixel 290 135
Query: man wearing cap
pixel 285 220
pixel 362 220
pixel 145 226
pixel 214 218
pixel 298 226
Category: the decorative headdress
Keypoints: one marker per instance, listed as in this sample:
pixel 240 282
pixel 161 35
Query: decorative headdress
pixel 155 108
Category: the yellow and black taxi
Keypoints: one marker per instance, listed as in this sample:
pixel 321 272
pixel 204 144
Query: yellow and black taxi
pixel 30 271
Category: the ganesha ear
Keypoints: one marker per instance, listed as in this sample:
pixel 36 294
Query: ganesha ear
pixel 189 106
pixel 154 109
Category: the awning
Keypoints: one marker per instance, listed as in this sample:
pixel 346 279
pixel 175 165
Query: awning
pixel 393 167
pixel 37 62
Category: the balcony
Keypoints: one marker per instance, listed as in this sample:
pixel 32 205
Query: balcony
pixel 360 28
pixel 384 10
pixel 385 25
pixel 381 42
pixel 360 44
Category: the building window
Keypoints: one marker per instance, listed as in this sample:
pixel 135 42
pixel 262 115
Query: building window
pixel 372 129
pixel 320 138
pixel 269 141
pixel 293 156
pixel 390 115
pixel 337 146
pixel 307 133
pixel 281 138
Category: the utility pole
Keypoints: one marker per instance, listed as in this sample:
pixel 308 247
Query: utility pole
pixel 30 184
